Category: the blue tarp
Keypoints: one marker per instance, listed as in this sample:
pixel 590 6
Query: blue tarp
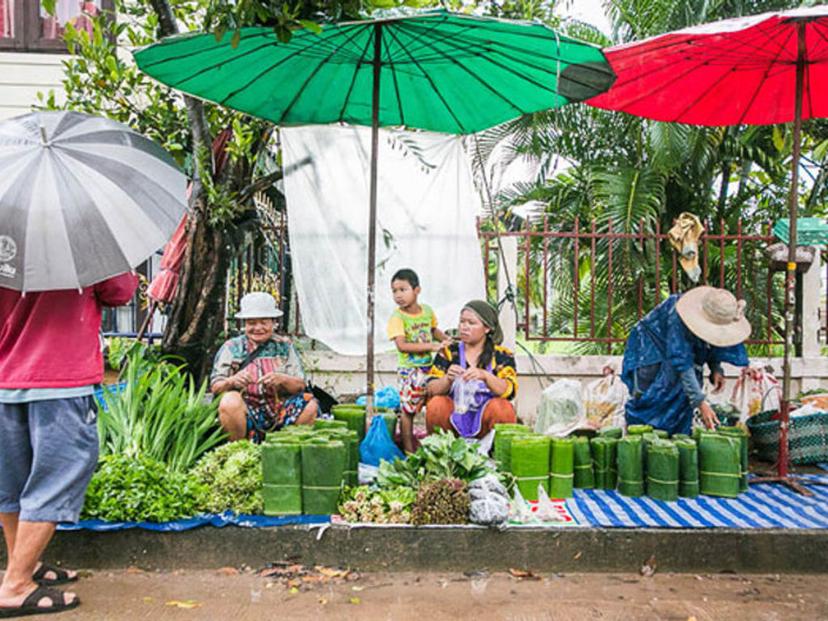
pixel 219 521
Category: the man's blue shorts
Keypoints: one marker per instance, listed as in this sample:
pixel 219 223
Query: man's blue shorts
pixel 48 452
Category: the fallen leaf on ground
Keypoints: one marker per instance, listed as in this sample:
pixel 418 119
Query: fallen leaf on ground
pixel 148 599
pixel 649 568
pixel 357 588
pixel 323 601
pixel 577 556
pixel 523 574
pixel 187 603
pixel 293 590
pixel 355 600
pixel 332 573
pixel 134 570
pixel 227 571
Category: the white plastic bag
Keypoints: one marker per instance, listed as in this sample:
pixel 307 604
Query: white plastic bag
pixel 604 401
pixel 756 390
pixel 561 410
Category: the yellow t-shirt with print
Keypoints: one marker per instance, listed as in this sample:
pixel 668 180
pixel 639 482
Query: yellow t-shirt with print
pixel 416 329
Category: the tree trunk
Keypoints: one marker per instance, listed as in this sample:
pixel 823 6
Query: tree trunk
pixel 196 317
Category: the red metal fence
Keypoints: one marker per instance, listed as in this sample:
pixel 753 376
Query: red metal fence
pixel 590 284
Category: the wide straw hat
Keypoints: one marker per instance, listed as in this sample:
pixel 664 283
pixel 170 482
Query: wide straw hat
pixel 714 315
pixel 258 305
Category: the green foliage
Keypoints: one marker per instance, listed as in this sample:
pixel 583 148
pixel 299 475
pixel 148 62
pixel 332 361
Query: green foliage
pixel 159 414
pixel 382 506
pixel 232 474
pixel 440 456
pixel 140 489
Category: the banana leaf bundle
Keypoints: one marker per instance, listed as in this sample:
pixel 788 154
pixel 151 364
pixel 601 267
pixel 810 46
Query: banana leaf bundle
pixel 611 432
pixel 584 475
pixel 504 433
pixel 742 435
pixel 630 466
pixel 530 464
pixel 720 465
pixel 681 436
pixel 663 470
pixel 661 433
pixel 282 474
pixel 688 467
pixel 323 464
pixel 354 415
pixel 350 439
pixel 326 423
pixel 562 468
pixel 637 430
pixel 603 458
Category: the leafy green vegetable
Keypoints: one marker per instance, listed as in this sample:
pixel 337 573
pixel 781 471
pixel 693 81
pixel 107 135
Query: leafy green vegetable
pixel 440 456
pixel 159 414
pixel 232 474
pixel 135 489
pixel 385 506
pixel 441 502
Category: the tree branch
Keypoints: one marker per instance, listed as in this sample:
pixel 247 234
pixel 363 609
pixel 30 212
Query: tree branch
pixel 262 183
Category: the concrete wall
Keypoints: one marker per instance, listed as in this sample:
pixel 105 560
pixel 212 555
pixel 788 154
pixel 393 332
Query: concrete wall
pixel 22 76
pixel 345 375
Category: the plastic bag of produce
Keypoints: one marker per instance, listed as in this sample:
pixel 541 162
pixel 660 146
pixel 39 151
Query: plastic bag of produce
pixel 561 410
pixel 604 401
pixel 756 390
pixel 378 445
pixel 489 501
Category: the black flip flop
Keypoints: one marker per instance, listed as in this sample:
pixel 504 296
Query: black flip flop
pixel 30 604
pixel 62 576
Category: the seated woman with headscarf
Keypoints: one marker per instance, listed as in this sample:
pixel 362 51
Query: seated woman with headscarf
pixel 666 352
pixel 472 382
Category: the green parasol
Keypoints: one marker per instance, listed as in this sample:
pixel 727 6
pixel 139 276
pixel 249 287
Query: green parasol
pixel 432 70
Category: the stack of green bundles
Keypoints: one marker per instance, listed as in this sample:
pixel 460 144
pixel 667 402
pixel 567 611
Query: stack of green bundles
pixel 637 430
pixel 630 466
pixel 742 435
pixel 282 473
pixel 323 465
pixel 350 439
pixel 584 476
pixel 504 432
pixel 530 464
pixel 603 459
pixel 720 465
pixel 681 436
pixel 661 433
pixel 611 432
pixel 688 467
pixel 562 468
pixel 324 423
pixel 663 470
pixel 354 415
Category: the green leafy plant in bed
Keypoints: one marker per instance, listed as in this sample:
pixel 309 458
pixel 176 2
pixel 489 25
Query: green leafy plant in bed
pixel 140 489
pixel 440 456
pixel 160 413
pixel 232 474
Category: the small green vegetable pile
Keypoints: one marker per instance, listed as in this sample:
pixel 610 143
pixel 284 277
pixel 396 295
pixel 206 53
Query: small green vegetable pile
pixel 232 478
pixel 381 506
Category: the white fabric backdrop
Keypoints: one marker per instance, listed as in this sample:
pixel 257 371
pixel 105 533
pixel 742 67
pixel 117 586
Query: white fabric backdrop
pixel 426 212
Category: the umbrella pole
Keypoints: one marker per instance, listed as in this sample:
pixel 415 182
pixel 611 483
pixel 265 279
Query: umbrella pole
pixel 782 475
pixel 372 217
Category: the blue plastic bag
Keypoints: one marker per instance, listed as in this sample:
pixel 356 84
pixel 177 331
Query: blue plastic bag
pixel 378 445
pixel 385 397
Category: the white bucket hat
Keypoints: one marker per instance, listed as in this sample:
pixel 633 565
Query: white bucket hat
pixel 714 315
pixel 258 305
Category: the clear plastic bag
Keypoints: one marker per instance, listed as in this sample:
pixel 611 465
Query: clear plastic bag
pixel 561 409
pixel 756 390
pixel 489 502
pixel 604 401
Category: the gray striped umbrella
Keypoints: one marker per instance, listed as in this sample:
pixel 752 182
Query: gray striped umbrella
pixel 82 198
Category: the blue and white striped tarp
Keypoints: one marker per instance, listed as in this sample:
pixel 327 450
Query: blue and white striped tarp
pixel 763 506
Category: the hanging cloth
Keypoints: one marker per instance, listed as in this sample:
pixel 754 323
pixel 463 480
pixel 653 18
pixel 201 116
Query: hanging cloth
pixel 684 237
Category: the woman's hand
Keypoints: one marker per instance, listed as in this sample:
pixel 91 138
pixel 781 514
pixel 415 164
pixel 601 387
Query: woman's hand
pixel 454 371
pixel 718 381
pixel 240 380
pixel 438 347
pixel 475 374
pixel 272 381
pixel 708 415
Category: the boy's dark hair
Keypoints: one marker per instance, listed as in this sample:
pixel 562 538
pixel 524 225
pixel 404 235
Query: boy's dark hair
pixel 408 275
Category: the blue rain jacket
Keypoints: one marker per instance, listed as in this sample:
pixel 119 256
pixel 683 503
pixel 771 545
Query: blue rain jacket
pixel 660 350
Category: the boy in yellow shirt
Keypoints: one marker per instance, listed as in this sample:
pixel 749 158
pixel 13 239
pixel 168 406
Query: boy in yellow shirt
pixel 413 328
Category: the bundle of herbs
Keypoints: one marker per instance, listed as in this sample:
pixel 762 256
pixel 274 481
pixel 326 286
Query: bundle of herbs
pixel 232 476
pixel 160 413
pixel 440 456
pixel 381 506
pixel 140 489
pixel 445 501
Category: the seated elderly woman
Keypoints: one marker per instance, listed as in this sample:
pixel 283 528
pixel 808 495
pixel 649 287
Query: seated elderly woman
pixel 472 382
pixel 259 376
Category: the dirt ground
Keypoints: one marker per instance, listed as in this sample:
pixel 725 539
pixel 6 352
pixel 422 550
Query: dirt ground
pixel 290 592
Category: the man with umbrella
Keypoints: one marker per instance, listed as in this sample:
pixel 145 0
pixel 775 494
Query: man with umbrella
pixel 83 200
